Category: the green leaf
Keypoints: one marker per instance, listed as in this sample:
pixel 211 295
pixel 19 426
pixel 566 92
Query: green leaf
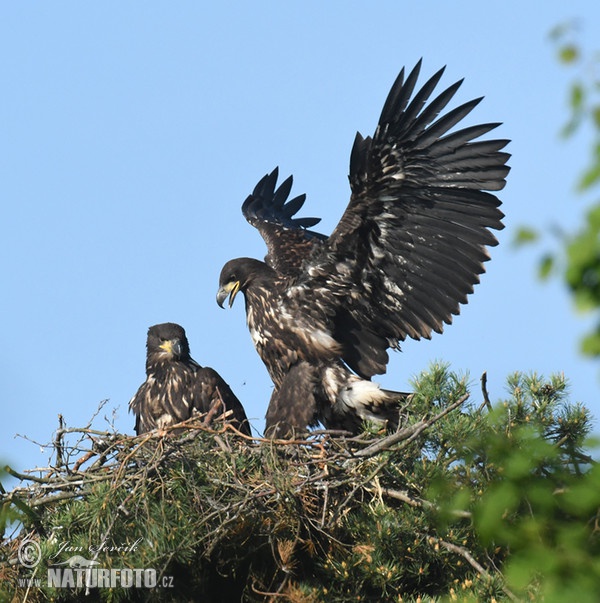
pixel 499 502
pixel 590 177
pixel 546 266
pixel 590 344
pixel 522 567
pixel 596 116
pixel 525 236
pixel 583 498
pixel 571 126
pixel 568 53
pixel 577 96
pixel 593 218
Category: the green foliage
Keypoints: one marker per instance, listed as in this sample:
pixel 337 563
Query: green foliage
pixel 583 263
pixel 522 476
pixel 577 260
pixel 465 502
pixel 10 513
pixel 525 235
pixel 544 507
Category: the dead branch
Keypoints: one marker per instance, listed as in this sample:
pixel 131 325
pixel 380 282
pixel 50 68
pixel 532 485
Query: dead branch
pixel 486 398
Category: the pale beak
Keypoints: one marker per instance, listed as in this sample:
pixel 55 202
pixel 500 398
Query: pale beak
pixel 172 346
pixel 229 289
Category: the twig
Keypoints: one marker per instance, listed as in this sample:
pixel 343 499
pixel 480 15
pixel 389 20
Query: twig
pixel 466 554
pixel 214 409
pixel 325 502
pixel 413 501
pixel 86 457
pixel 52 498
pixel 408 434
pixel 486 399
pixel 358 485
pixel 23 477
pixel 271 595
pixel 58 447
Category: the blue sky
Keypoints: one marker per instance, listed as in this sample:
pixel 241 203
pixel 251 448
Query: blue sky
pixel 130 134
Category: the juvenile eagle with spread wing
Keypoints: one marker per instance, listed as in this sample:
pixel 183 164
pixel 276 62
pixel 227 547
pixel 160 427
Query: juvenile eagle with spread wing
pixel 177 387
pixel 410 246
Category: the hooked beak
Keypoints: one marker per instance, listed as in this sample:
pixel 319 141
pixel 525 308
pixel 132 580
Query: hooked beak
pixel 172 347
pixel 229 289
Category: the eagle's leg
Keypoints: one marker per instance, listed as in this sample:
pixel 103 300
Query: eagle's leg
pixel 293 406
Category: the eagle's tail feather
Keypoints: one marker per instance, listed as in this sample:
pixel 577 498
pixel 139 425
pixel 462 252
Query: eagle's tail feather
pixel 393 408
pixel 358 400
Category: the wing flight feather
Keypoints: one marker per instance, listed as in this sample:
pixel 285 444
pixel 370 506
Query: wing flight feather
pixel 413 240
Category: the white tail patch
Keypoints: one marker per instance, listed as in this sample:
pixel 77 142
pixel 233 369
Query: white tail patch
pixel 364 397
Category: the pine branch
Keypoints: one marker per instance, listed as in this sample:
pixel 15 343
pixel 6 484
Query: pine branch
pixel 324 516
pixel 409 434
pixel 414 501
pixel 467 555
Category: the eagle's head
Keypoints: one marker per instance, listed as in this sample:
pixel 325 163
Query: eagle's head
pixel 166 342
pixel 237 275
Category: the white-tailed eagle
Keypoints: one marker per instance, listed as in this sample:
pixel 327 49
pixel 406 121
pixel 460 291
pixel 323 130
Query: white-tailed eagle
pixel 177 387
pixel 411 244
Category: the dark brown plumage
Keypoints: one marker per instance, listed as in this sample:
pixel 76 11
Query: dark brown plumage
pixel 410 246
pixel 177 387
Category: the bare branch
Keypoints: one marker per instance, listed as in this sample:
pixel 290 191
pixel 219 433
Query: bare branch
pixel 486 398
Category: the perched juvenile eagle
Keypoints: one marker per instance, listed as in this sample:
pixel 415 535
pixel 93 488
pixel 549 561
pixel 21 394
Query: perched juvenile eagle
pixel 176 386
pixel 410 246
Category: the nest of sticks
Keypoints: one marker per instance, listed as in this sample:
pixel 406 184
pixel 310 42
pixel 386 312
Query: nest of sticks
pixel 224 516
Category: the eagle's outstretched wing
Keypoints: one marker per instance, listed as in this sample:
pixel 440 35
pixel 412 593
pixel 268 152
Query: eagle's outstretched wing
pixel 412 241
pixel 289 242
pixel 407 251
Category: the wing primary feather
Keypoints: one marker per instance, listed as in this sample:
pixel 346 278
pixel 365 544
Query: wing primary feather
pixel 265 188
pixel 282 192
pixel 414 238
pixel 443 124
pixel 465 135
pixel 416 105
pixel 294 205
pixel 428 114
pixel 394 93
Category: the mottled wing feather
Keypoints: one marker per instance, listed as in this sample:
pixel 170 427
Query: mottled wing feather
pixel 289 242
pixel 209 388
pixel 171 394
pixel 412 241
pixel 293 404
pixel 163 399
pixel 136 406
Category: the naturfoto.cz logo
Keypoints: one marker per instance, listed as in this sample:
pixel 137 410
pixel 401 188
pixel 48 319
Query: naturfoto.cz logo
pixel 94 577
pixel 80 572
